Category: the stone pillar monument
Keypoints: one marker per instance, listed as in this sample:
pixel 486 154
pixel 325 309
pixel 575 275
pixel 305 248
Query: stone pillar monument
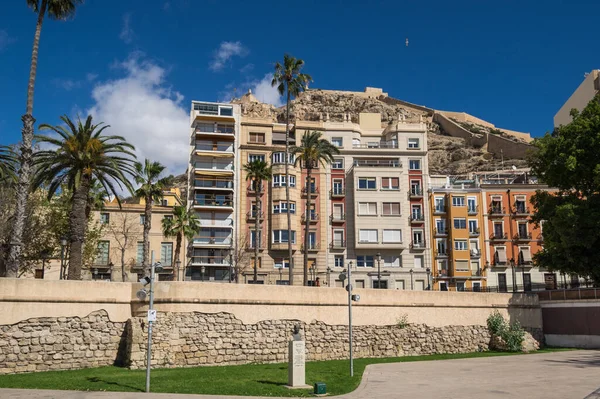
pixel 296 361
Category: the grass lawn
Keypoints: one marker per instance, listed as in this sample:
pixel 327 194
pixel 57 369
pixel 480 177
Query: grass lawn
pixel 251 379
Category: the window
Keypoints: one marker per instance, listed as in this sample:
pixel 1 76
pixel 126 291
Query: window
pixel 365 261
pixel 391 209
pixel 337 141
pixel 166 253
pixel 390 183
pixel 102 253
pixel 367 208
pixel 338 187
pixel 440 204
pixel 338 260
pixel 473 226
pixel 256 138
pixel 139 259
pixel 164 202
pixel 418 240
pixel 142 219
pixel 520 204
pixel 367 183
pixel 462 265
pixel 104 218
pixel 226 111
pixel 369 235
pixel 210 109
pixel 338 163
pixel 498 230
pixel 392 235
pixel 281 207
pixel 279 158
pixel 281 263
pixel 460 286
pixel 205 127
pixel 460 245
pixel 441 247
pixel 281 236
pixel 475 266
pixel 458 201
pixel 502 282
pixel 391 261
pixel 253 239
pixel 279 181
pixel 413 143
pixel 500 256
pixel 460 223
pixel 416 212
pixel 471 205
pixel 525 255
pixel 256 157
pixel 440 226
pixel 522 229
pixel 415 187
pixel 414 164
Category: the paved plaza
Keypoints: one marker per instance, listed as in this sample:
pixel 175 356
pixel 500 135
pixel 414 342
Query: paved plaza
pixel 572 374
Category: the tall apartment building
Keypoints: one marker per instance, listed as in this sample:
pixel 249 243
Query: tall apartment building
pixel 212 189
pixel 375 210
pixel 457 227
pixel 265 140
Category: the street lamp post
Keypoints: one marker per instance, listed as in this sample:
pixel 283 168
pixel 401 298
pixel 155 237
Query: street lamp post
pixel 231 269
pixel 378 270
pixel 329 270
pixel 412 283
pixel 202 269
pixel 63 272
pixel 178 267
pixel 428 270
pixel 514 274
pixel 342 277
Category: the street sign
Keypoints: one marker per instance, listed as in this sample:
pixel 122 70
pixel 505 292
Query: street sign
pixel 152 315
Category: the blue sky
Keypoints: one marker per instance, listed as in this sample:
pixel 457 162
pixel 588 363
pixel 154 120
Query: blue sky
pixel 137 64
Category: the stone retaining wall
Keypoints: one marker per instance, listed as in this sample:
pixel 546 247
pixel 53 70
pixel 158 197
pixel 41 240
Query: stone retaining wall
pixel 60 343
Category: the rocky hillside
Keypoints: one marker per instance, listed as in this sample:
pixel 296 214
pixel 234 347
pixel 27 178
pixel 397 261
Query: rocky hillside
pixel 447 154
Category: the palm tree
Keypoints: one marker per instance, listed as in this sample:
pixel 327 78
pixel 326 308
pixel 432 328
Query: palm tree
pixel 182 224
pixel 8 160
pixel 314 150
pixel 291 82
pixel 96 198
pixel 258 171
pixel 81 155
pixel 151 190
pixel 60 10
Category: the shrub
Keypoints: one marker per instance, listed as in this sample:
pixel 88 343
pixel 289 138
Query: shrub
pixel 513 335
pixel 496 323
pixel 402 321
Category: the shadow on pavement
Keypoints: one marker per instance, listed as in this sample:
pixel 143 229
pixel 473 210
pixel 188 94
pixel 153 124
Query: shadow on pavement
pixel 580 361
pixel 96 379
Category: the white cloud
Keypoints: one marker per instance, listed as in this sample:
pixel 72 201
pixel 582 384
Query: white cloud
pixel 5 40
pixel 266 93
pixel 141 107
pixel 90 77
pixel 225 52
pixel 127 34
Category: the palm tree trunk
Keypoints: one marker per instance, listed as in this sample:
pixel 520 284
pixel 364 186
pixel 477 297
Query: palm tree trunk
pixel 14 256
pixel 78 226
pixel 146 234
pixel 177 254
pixel 287 186
pixel 257 229
pixel 307 224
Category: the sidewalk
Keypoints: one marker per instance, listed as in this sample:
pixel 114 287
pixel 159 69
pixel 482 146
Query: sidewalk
pixel 572 374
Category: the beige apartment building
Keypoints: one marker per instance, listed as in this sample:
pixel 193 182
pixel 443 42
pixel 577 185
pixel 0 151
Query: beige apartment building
pixel 579 99
pixel 122 238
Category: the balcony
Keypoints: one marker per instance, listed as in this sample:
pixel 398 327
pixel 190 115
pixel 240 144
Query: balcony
pixel 497 211
pixel 474 233
pixel 522 237
pixel 477 273
pixel 520 210
pixel 418 245
pixel 415 193
pixel 337 193
pixel 217 223
pixel 417 218
pixel 251 216
pixel 475 253
pixel 337 218
pixel 377 163
pixel 214 168
pixel 314 191
pixel 215 150
pixel 222 261
pixel 312 216
pixel 499 237
pixel 216 130
pixel 442 273
pixel 440 232
pixel 312 247
pixel 444 253
pixel 212 241
pixel 472 210
pixel 337 245
pixel 216 184
pixel 250 246
pixel 440 210
pixel 251 190
pixel 214 203
pixel 383 145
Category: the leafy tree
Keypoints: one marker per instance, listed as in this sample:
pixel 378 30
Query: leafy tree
pixel 151 190
pixel 82 154
pixel 59 10
pixel 124 227
pixel 568 160
pixel 183 224
pixel 258 171
pixel 313 150
pixel 290 81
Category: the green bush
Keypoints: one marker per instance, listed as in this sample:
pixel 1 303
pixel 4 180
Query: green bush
pixel 402 321
pixel 513 335
pixel 496 323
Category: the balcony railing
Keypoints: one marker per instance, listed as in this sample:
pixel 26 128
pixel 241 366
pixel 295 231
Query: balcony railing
pixel 438 210
pixel 312 216
pixel 522 237
pixel 377 163
pixel 212 241
pixel 337 193
pixel 225 130
pixel 499 236
pixel 477 273
pixel 497 211
pixel 444 253
pixel 312 246
pixel 250 245
pixel 251 215
pixel 216 223
pixel 415 193
pixel 228 148
pixel 440 232
pixel 475 253
pixel 211 260
pixel 215 167
pixel 337 218
pixel 313 191
pixel 474 233
pixel 472 210
pixel 213 183
pixel 417 244
pixel 214 202
pixel 417 218
pixel 520 210
pixel 380 145
pixel 337 244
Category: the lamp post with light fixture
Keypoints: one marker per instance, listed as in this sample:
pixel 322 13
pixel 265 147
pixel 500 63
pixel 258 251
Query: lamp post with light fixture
pixel 63 271
pixel 378 270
